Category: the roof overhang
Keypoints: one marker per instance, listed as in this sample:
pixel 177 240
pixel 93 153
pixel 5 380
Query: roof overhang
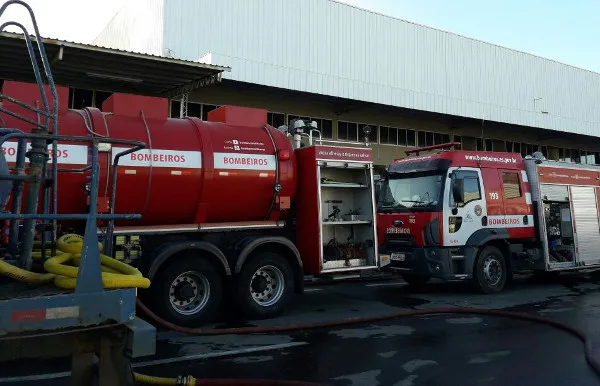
pixel 91 67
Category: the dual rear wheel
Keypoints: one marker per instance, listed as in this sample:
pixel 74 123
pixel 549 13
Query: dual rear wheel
pixel 189 291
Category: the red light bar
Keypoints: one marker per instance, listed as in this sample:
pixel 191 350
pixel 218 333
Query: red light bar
pixel 434 147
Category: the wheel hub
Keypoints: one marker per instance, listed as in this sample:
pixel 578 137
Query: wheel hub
pixel 260 283
pixel 186 290
pixel 492 271
pixel 189 293
pixel 267 285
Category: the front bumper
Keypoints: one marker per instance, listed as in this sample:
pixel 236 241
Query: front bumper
pixel 440 263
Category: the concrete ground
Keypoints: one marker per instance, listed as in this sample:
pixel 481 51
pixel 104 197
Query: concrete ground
pixel 432 350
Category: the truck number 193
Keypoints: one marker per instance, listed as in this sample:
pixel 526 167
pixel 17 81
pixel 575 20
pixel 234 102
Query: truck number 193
pixel 494 196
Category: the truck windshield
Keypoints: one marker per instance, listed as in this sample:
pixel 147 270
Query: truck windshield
pixel 403 192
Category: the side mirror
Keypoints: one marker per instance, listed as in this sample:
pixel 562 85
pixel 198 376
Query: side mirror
pixel 458 190
pixel 377 190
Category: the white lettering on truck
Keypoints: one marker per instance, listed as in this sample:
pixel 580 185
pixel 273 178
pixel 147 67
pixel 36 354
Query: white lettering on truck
pixel 160 158
pixel 65 154
pixel 237 161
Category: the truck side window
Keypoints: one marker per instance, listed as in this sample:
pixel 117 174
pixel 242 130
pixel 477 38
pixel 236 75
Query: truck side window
pixel 472 191
pixel 511 185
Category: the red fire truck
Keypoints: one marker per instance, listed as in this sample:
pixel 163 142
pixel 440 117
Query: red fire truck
pixel 232 208
pixel 482 216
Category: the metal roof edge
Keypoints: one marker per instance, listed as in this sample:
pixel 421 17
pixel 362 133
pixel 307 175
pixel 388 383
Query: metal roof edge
pixel 116 51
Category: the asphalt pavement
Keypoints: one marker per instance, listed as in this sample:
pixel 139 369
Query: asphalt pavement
pixel 429 350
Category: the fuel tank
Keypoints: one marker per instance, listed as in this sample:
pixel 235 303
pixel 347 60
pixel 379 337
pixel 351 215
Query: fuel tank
pixel 191 172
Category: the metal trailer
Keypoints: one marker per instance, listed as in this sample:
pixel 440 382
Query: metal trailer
pixel 46 322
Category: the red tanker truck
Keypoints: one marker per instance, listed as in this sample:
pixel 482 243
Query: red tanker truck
pixel 231 207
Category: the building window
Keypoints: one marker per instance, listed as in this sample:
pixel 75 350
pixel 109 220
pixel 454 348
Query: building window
pixel 206 109
pixel 347 131
pixel 373 135
pixel 80 98
pixel 388 135
pixel 325 126
pixel 396 136
pixel 193 109
pixel 428 138
pixel 457 138
pixel 411 138
pixel 489 144
pixel 276 119
pixel 353 132
pixel 512 187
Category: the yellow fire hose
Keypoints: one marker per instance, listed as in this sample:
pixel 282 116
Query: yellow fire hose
pixel 115 274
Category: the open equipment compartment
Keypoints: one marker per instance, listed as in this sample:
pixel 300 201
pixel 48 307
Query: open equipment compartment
pixel 344 203
pixel 568 194
pixel 559 225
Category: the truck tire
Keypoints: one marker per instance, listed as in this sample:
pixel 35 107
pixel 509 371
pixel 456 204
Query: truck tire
pixel 414 280
pixel 264 286
pixel 188 291
pixel 490 271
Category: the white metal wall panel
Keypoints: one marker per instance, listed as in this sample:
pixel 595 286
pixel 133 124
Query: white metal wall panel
pixel 137 27
pixel 325 47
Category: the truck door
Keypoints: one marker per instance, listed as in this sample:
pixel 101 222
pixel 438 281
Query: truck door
pixel 462 219
pixel 518 212
pixel 515 203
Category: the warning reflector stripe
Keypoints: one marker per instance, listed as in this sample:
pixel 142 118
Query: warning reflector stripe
pixel 44 314
pixel 27 315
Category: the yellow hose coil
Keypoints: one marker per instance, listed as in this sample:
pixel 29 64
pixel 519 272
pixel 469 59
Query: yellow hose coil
pixel 115 274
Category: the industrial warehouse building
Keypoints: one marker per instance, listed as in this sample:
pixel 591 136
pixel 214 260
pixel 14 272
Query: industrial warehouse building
pixel 346 67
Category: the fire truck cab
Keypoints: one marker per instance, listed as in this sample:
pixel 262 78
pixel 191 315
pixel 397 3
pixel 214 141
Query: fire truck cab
pixel 481 216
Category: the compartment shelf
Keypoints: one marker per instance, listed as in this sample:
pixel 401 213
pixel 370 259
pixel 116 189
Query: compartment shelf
pixel 337 192
pixel 344 185
pixel 357 222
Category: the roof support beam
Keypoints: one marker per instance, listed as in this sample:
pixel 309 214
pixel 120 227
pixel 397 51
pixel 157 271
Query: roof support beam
pixel 196 84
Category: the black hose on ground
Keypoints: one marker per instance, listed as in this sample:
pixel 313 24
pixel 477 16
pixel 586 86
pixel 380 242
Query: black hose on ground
pixel 588 350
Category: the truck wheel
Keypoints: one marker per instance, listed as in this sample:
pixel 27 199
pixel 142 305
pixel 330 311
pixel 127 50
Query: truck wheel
pixel 188 291
pixel 264 286
pixel 414 280
pixel 490 270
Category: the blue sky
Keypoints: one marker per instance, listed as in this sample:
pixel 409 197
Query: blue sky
pixel 564 30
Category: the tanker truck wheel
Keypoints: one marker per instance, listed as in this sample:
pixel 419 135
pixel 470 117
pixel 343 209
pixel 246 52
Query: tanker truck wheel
pixel 188 291
pixel 264 286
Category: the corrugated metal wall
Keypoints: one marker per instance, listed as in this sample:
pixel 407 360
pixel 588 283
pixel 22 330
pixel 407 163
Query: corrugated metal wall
pixel 325 47
pixel 137 27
